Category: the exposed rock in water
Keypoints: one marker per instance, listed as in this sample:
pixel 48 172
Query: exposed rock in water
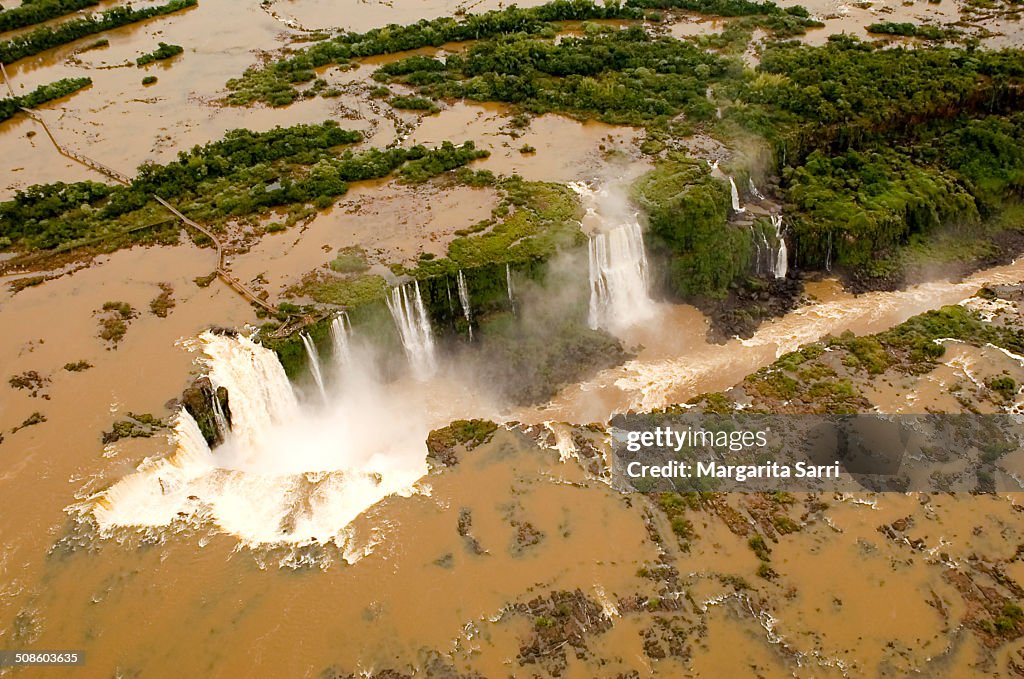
pixel 445 444
pixel 464 525
pixel 559 620
pixel 198 400
pixel 746 307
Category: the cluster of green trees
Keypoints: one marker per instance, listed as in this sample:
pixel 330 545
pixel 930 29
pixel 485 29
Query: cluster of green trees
pixel 274 83
pixel 244 175
pixel 909 30
pixel 624 76
pixel 878 147
pixel 725 8
pixel 47 37
pixel 41 95
pixel 413 104
pixel 37 11
pixel 687 211
pixel 847 92
pixel 855 205
pixel 162 51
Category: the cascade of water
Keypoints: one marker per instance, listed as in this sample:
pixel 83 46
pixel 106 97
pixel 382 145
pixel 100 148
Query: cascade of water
pixel 414 329
pixel 219 418
pixel 508 286
pixel 314 362
pixel 780 267
pixel 467 311
pixel 617 261
pixel 753 189
pixel 766 248
pixel 735 194
pixel 341 330
pixel 261 395
pixel 762 250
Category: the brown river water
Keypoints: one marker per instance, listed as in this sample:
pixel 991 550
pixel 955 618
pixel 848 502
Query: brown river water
pixel 193 599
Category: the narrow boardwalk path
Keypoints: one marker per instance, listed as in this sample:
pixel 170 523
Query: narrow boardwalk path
pixel 222 272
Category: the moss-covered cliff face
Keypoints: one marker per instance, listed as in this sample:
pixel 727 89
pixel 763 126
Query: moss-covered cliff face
pixel 198 399
pixel 534 222
pixel 688 213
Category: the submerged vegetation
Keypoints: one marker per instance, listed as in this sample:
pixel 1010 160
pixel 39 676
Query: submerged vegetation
pixel 619 76
pixel 42 94
pixel 38 11
pixel 47 37
pixel 276 83
pixel 909 30
pixel 246 174
pixel 163 51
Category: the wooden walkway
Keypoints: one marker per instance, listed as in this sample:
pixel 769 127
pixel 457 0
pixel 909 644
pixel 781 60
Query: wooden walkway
pixel 222 272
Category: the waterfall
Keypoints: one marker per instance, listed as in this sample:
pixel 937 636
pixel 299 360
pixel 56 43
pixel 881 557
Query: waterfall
pixel 508 287
pixel 414 328
pixel 289 477
pixel 219 418
pixel 314 362
pixel 735 197
pixel 467 310
pixel 780 267
pixel 763 255
pixel 341 330
pixel 261 395
pixel 618 262
pixel 769 258
pixel 753 189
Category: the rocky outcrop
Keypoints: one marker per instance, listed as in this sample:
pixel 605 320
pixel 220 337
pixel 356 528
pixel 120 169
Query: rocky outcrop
pixel 199 401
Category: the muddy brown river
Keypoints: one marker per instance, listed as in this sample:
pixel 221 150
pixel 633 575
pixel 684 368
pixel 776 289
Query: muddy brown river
pixel 434 579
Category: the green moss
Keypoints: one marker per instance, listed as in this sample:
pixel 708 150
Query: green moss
pixel 414 104
pixel 687 211
pixel 1005 386
pixel 470 433
pixel 350 260
pixel 760 548
pixel 544 217
pixel 348 292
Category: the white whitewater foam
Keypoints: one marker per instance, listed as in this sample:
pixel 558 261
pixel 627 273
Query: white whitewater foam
pixel 313 356
pixel 467 310
pixel 735 195
pixel 285 474
pixel 618 267
pixel 413 325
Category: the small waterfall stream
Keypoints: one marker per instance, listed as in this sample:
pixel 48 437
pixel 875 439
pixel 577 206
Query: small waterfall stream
pixel 735 195
pixel 770 258
pixel 314 363
pixel 414 328
pixel 467 310
pixel 341 332
pixel 508 287
pixel 753 189
pixel 781 267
